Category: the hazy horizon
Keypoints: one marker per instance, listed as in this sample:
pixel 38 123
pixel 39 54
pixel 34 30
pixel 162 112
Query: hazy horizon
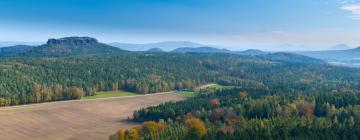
pixel 279 47
pixel 235 25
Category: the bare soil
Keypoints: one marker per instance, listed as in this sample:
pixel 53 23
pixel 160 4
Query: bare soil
pixel 74 120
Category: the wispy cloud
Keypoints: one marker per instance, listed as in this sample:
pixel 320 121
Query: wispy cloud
pixel 354 10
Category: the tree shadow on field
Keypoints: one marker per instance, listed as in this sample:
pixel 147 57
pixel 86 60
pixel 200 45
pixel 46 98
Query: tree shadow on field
pixel 127 123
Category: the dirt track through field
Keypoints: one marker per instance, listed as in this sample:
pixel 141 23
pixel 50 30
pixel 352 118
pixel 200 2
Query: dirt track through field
pixel 74 120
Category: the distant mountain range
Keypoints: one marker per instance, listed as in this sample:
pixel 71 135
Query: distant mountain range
pixel 201 50
pixel 349 57
pixel 86 45
pixel 182 47
pixel 165 46
pixel 337 55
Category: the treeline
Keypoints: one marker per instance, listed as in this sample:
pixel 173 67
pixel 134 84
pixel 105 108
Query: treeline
pixel 249 113
pixel 46 94
pixel 158 72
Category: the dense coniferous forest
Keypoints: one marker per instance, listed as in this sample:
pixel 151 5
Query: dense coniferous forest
pixel 251 113
pixel 33 79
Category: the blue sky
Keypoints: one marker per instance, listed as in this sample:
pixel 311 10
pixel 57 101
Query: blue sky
pixel 236 24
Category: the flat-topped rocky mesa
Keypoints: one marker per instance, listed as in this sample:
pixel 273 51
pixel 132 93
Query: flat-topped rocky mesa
pixel 73 46
pixel 72 41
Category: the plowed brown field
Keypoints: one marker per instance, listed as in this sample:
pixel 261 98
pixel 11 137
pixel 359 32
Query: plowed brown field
pixel 74 120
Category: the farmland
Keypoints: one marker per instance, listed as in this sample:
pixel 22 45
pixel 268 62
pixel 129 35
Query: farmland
pixel 80 119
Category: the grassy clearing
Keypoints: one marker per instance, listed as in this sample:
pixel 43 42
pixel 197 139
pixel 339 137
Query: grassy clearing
pixel 107 94
pixel 215 86
pixel 192 93
pixel 186 93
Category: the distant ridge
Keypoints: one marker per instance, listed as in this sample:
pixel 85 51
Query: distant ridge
pixel 340 47
pixel 17 43
pixel 251 52
pixel 284 57
pixel 201 50
pixel 348 54
pixel 165 46
pixel 155 50
pixel 15 50
pixel 68 46
pixel 349 57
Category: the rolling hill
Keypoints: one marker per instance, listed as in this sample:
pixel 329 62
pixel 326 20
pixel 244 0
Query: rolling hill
pixel 201 50
pixel 15 50
pixel 155 50
pixel 282 57
pixel 16 43
pixel 251 52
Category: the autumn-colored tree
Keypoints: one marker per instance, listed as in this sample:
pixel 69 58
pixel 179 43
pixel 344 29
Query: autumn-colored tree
pixel 243 94
pixel 37 93
pixel 161 125
pixel 215 102
pixel 75 93
pixel 356 111
pixel 307 109
pixel 134 133
pixel 121 134
pixel 58 92
pixel 144 88
pixel 115 86
pixel 195 128
pixel 227 130
pixel 350 121
pixel 189 115
pixel 46 93
pixel 2 101
pixel 231 116
pixel 151 128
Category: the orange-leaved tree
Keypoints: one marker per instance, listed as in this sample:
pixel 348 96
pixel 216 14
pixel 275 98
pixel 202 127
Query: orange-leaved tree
pixel 195 128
